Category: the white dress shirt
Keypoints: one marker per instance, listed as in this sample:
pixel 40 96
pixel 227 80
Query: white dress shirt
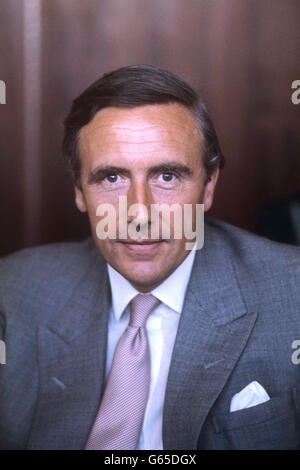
pixel 161 329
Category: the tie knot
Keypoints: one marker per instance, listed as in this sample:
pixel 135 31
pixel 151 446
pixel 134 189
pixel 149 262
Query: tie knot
pixel 141 307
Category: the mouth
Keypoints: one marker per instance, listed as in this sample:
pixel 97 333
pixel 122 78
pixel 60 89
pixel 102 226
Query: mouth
pixel 142 246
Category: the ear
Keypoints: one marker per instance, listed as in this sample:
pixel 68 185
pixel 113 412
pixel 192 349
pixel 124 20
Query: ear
pixel 79 199
pixel 209 190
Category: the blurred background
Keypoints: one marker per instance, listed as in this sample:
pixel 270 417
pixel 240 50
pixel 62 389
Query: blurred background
pixel 240 55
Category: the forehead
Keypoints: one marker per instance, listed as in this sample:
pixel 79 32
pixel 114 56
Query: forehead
pixel 144 129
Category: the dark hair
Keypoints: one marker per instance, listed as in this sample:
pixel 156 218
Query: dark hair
pixel 133 86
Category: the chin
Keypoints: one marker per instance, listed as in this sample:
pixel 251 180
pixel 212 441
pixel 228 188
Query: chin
pixel 141 280
pixel 144 285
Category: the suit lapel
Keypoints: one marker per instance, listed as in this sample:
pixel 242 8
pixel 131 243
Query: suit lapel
pixel 72 356
pixel 212 333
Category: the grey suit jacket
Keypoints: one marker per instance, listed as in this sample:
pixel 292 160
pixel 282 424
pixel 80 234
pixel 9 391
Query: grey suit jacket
pixel 240 317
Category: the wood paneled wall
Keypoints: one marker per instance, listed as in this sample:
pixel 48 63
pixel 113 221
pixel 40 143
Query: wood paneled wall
pixel 241 55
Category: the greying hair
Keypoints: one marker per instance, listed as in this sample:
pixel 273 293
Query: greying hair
pixel 129 87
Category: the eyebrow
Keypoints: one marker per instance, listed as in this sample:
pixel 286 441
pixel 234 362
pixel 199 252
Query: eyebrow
pixel 102 171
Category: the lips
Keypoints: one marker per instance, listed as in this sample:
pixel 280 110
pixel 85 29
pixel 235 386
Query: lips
pixel 141 246
pixel 140 242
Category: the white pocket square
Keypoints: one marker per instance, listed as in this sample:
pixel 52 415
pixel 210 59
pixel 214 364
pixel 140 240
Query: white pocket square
pixel 252 395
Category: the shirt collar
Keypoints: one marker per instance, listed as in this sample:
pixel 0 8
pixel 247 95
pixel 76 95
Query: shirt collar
pixel 171 292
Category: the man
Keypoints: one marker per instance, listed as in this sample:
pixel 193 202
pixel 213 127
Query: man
pixel 211 365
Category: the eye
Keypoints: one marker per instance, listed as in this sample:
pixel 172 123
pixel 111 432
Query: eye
pixel 167 177
pixel 112 178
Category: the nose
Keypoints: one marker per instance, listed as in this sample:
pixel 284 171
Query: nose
pixel 139 200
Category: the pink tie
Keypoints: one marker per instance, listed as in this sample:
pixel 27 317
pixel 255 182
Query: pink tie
pixel 120 417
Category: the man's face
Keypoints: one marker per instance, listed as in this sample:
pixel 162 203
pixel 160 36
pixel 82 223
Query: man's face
pixel 152 155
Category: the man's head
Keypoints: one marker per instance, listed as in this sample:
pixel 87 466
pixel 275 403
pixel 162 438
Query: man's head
pixel 141 132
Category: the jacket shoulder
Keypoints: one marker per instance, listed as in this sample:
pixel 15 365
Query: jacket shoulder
pixel 36 280
pixel 53 259
pixel 264 269
pixel 249 247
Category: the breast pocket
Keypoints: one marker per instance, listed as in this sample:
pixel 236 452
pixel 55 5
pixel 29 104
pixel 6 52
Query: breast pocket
pixel 274 424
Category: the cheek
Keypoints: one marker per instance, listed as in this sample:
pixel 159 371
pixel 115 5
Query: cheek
pixel 192 196
pixel 92 210
pixel 192 193
pixel 92 201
